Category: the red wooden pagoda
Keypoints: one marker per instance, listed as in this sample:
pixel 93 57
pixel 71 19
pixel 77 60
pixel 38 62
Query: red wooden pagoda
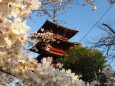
pixel 59 47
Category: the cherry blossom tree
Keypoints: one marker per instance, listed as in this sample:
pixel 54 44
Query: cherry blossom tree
pixel 14 63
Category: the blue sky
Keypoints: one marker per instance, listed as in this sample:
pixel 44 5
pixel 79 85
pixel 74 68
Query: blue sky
pixel 80 18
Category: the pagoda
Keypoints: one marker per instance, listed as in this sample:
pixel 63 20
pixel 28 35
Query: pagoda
pixel 53 41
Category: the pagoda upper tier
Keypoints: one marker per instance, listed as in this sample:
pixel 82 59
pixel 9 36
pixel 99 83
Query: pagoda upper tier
pixel 58 30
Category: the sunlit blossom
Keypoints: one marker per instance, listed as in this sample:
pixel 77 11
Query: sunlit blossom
pixel 33 4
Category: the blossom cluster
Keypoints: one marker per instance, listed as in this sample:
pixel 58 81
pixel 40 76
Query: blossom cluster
pixel 29 72
pixel 12 24
pixel 109 73
pixel 6 79
pixel 44 37
pixel 47 36
pixel 91 2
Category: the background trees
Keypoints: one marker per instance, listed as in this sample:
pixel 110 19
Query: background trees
pixel 107 41
pixel 84 61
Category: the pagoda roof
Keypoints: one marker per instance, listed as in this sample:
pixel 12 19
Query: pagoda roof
pixel 63 31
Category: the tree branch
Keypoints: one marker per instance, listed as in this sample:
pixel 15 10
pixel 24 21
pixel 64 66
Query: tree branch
pixel 109 28
pixel 6 72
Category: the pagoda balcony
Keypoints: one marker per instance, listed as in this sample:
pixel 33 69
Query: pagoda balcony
pixel 56 51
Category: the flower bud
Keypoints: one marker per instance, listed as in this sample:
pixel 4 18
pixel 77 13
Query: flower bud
pixel 94 8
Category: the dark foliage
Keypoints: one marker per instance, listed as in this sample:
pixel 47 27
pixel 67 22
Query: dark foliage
pixel 84 61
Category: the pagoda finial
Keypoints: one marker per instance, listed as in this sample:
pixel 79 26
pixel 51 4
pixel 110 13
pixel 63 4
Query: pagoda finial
pixel 54 16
